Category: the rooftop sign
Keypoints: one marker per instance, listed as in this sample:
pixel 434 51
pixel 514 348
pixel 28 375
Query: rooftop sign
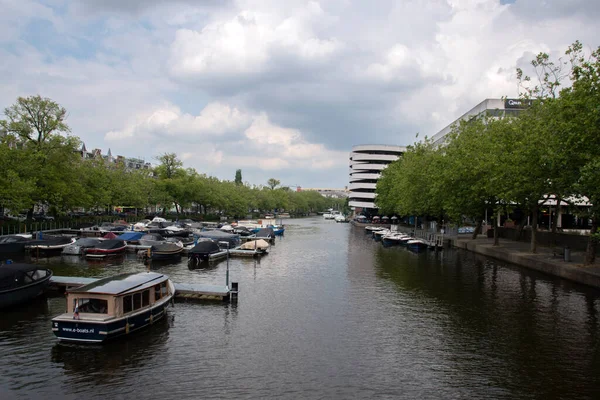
pixel 517 103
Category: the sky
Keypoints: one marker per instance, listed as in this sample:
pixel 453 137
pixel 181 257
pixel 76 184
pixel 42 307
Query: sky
pixel 278 89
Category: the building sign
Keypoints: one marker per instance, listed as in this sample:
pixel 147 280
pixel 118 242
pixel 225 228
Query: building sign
pixel 517 103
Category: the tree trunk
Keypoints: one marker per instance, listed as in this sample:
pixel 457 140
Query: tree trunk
pixel 496 237
pixel 555 217
pixel 477 228
pixel 590 253
pixel 520 228
pixel 534 222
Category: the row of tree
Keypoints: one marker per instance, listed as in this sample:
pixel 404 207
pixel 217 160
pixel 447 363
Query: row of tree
pixel 551 148
pixel 42 165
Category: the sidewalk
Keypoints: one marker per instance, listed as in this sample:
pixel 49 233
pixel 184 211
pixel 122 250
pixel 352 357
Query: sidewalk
pixel 544 260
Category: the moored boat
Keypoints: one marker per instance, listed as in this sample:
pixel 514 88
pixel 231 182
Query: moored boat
pixel 205 251
pixel 79 246
pixel 114 306
pixel 106 248
pixel 166 250
pixel 13 244
pixel 20 283
pixel 50 244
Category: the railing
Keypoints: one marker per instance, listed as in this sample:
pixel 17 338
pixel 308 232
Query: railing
pixel 24 227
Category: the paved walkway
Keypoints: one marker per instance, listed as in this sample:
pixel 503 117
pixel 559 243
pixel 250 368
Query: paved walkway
pixel 545 260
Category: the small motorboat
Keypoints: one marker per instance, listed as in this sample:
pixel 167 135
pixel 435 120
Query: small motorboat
pixel 106 248
pixel 11 244
pixel 254 247
pixel 166 250
pixel 20 283
pixel 50 244
pixel 267 234
pixel 205 251
pixel 417 245
pixel 79 246
pixel 113 307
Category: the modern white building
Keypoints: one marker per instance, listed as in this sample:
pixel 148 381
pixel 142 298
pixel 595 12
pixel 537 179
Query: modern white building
pixel 366 163
pixel 491 107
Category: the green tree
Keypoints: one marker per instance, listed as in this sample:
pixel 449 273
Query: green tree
pixel 34 119
pixel 273 183
pixel 238 177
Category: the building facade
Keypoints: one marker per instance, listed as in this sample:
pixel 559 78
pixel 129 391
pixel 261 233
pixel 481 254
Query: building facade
pixel 366 163
pixel 489 107
pixel 130 163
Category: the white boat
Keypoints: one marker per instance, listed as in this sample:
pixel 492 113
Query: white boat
pixel 78 247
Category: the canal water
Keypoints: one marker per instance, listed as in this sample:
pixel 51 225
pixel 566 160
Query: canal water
pixel 329 313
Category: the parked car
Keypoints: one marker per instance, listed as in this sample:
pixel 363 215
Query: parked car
pixel 42 217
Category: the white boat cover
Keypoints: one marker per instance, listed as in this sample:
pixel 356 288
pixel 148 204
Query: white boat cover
pixel 255 244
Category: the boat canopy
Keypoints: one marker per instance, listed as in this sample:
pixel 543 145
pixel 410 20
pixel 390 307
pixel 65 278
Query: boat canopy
pixel 13 239
pixel 110 244
pixel 265 233
pixel 205 247
pixel 255 244
pixel 231 238
pixel 15 275
pixel 131 236
pixel 86 242
pixel 153 236
pixel 121 284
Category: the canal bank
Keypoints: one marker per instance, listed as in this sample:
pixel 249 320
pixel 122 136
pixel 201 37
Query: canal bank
pixel 547 259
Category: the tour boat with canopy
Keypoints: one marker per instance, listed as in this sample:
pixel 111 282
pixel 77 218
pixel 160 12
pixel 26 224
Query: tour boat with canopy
pixel 114 306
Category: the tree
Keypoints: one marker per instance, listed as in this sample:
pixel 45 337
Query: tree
pixel 34 119
pixel 273 183
pixel 238 177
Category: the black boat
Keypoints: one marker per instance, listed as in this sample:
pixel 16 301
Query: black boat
pixel 204 251
pixel 49 244
pixel 267 234
pixel 114 306
pixel 20 283
pixel 13 244
pixel 166 250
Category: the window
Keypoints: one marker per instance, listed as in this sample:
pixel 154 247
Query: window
pixel 157 292
pixel 145 298
pixel 127 304
pixel 92 306
pixel 163 289
pixel 137 301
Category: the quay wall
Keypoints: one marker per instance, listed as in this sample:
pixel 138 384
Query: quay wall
pixel 544 261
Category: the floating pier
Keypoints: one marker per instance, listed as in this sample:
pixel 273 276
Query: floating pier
pixel 184 291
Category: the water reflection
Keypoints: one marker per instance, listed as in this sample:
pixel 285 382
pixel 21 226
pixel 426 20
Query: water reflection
pixel 14 320
pixel 113 363
pixel 516 322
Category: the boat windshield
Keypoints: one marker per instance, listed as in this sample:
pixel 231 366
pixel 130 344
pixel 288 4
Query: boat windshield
pixel 91 306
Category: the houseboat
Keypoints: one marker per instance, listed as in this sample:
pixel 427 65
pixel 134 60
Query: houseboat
pixel 114 306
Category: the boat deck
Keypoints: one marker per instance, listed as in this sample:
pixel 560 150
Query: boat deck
pixel 185 291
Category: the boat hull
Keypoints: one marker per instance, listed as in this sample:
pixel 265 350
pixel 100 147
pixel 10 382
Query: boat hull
pixel 101 331
pixel 24 294
pixel 99 253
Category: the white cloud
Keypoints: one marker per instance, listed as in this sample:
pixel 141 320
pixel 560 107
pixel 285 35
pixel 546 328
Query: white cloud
pixel 249 43
pixel 263 145
pixel 215 119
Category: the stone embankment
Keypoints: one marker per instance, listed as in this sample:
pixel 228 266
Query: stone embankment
pixel 547 259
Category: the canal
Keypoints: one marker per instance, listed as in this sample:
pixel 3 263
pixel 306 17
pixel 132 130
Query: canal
pixel 329 313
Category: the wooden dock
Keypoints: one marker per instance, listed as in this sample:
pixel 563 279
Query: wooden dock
pixel 183 291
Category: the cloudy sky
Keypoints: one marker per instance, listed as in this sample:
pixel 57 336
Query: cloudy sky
pixel 280 89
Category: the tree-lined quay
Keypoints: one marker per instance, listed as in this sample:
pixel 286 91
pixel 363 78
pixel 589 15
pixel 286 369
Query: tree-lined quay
pixel 552 148
pixel 41 166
